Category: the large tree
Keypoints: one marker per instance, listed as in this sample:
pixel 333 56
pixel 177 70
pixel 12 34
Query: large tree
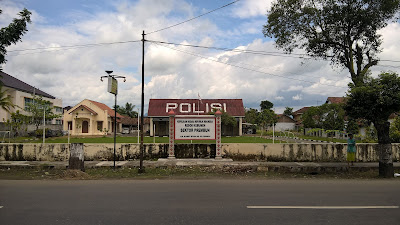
pixel 128 110
pixel 266 105
pixel 13 32
pixel 375 101
pixel 39 108
pixel 344 31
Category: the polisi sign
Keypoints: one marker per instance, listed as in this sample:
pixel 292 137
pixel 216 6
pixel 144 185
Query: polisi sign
pixel 195 108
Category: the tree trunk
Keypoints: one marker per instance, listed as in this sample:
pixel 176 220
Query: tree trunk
pixel 384 149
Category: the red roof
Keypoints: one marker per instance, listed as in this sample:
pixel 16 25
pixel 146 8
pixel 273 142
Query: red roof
pixel 161 107
pixel 133 121
pixel 110 111
pixel 301 111
pixel 284 119
pixel 335 100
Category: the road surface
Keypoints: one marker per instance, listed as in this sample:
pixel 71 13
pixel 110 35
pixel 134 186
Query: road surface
pixel 245 201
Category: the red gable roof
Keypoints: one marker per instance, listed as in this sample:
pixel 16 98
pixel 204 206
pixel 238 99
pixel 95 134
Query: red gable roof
pixel 301 111
pixel 110 111
pixel 160 107
pixel 87 108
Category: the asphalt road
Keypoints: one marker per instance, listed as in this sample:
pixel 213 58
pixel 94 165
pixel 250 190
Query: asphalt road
pixel 200 202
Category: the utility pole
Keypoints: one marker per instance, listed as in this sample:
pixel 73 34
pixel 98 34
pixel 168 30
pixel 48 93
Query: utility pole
pixel 113 89
pixel 141 169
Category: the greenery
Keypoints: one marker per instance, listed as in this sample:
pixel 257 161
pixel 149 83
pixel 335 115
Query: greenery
pixel 395 130
pixel 15 123
pixel 128 110
pixel 266 105
pixel 251 116
pixel 344 31
pixel 326 116
pixel 13 32
pixel 375 101
pixel 288 112
pixel 37 108
pixel 5 99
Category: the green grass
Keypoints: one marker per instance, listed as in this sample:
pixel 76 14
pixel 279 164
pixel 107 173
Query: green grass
pixel 323 139
pixel 243 139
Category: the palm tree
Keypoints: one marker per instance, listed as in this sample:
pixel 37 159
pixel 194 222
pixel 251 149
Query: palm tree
pixel 5 100
pixel 129 110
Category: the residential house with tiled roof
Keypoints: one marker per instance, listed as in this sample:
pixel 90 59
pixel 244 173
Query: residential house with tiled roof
pixel 285 123
pixel 91 118
pixel 22 93
pixel 335 100
pixel 297 116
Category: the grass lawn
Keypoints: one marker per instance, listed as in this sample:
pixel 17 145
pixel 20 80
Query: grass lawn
pixel 243 139
pixel 323 139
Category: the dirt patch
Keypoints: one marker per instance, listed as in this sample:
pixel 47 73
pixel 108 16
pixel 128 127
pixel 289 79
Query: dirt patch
pixel 75 175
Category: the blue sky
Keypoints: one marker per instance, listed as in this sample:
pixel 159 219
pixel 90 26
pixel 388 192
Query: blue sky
pixel 171 71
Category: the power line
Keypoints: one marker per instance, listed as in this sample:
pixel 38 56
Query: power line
pixel 245 68
pixel 74 46
pixel 194 17
pixel 292 55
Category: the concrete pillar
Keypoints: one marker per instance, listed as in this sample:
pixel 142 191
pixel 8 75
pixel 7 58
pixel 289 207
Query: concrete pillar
pixel 171 146
pixel 151 127
pixel 76 157
pixel 218 152
pixel 240 126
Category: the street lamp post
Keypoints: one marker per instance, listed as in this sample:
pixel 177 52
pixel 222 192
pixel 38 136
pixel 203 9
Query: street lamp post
pixel 113 89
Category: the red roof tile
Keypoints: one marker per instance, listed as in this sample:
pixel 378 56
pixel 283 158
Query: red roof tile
pixel 134 121
pixel 335 100
pixel 110 111
pixel 158 107
pixel 301 111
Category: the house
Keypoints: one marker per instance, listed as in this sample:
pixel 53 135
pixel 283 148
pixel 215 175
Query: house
pixel 297 116
pixel 159 108
pixel 22 94
pixel 91 118
pixel 285 123
pixel 131 124
pixel 335 100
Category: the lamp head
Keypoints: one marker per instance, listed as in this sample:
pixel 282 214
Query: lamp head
pixel 109 72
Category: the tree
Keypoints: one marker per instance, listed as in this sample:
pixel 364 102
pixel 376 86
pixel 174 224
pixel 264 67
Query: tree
pixel 332 117
pixel 5 100
pixel 128 110
pixel 288 112
pixel 16 122
pixel 375 101
pixel 344 31
pixel 266 118
pixel 36 108
pixel 251 116
pixel 13 32
pixel 312 118
pixel 266 105
pixel 395 130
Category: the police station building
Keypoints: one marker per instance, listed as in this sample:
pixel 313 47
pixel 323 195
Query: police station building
pixel 159 108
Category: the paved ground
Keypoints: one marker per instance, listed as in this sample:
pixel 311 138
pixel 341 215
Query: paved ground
pixel 246 202
pixel 274 166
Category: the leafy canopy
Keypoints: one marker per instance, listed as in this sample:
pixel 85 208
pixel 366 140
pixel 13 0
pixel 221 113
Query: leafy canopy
pixel 266 105
pixel 13 32
pixel 344 31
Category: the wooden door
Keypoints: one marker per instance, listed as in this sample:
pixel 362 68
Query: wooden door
pixel 85 127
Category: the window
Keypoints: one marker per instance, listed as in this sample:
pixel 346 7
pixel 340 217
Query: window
pixel 58 109
pixel 27 101
pixel 100 125
pixel 58 122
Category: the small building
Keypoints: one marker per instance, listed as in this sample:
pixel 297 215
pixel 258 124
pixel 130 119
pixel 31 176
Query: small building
pixel 297 116
pixel 22 94
pixel 159 108
pixel 285 123
pixel 131 125
pixel 91 118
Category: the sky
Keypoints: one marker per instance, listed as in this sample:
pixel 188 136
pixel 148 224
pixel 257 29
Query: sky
pixel 171 71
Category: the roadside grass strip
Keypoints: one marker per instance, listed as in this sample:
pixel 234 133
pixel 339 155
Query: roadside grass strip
pixel 324 207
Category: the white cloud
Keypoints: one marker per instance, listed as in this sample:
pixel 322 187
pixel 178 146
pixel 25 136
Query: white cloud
pixel 297 97
pixel 252 8
pixel 74 74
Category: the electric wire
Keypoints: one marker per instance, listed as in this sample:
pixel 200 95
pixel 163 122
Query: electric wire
pixel 245 68
pixel 165 28
pixel 75 46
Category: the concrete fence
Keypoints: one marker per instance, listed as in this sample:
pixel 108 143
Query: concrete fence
pixel 324 152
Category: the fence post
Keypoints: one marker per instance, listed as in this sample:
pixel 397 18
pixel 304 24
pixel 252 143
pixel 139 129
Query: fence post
pixel 76 157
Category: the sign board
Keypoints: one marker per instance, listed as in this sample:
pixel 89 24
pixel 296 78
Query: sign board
pixel 195 128
pixel 112 85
